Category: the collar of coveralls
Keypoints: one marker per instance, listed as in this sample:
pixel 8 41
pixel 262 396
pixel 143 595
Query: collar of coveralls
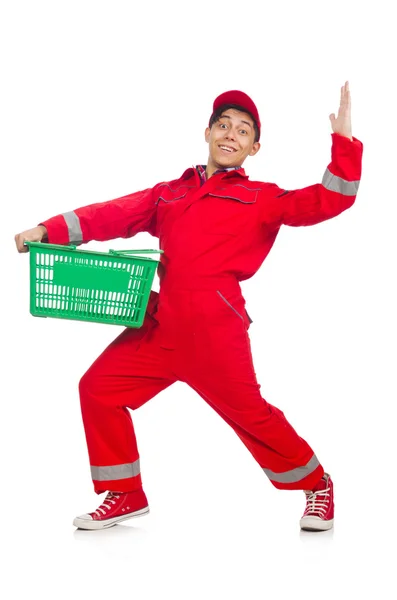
pixel 200 169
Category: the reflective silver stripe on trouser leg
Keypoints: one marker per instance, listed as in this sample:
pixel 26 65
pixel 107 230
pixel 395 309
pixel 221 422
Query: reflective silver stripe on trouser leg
pixel 113 473
pixel 337 184
pixel 74 228
pixel 295 474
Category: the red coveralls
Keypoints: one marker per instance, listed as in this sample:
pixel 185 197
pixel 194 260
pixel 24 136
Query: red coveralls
pixel 195 330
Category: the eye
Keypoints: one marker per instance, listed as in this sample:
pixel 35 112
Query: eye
pixel 243 131
pixel 223 125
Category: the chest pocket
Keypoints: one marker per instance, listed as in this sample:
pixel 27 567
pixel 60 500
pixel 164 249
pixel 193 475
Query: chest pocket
pixel 170 204
pixel 167 194
pixel 229 211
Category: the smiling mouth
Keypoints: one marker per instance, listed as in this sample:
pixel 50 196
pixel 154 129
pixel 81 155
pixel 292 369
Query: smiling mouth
pixel 227 149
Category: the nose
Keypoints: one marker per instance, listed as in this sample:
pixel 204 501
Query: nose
pixel 230 135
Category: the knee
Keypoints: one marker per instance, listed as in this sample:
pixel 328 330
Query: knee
pixel 88 386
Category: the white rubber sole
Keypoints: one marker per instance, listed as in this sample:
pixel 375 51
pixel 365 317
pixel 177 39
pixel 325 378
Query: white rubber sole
pixel 84 523
pixel 315 524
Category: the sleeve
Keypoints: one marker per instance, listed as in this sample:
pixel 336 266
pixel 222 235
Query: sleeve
pixel 336 193
pixel 123 217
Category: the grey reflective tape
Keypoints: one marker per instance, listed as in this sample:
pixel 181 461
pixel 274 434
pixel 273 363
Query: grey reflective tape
pixel 74 228
pixel 295 474
pixel 115 472
pixel 337 184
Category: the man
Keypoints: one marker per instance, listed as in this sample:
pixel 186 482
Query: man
pixel 215 227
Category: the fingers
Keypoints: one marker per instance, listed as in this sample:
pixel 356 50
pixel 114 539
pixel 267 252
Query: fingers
pixel 31 235
pixel 19 240
pixel 345 102
pixel 345 94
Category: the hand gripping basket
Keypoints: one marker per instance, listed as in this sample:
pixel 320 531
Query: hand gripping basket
pixel 85 285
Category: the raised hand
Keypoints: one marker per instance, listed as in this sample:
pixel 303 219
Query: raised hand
pixel 342 123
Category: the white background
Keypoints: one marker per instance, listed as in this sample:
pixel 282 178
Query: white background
pixel 100 99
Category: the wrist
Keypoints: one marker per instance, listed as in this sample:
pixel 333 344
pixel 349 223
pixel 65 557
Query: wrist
pixel 43 231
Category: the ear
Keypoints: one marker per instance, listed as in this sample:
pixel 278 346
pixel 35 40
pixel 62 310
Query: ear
pixel 255 148
pixel 207 134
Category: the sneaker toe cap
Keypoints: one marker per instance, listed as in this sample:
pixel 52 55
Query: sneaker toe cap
pixel 85 517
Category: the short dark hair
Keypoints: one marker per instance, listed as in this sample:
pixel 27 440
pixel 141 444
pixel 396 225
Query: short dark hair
pixel 216 115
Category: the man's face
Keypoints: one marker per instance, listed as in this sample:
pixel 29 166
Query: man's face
pixel 231 139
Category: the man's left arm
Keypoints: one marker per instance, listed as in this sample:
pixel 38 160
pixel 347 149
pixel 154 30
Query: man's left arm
pixel 338 188
pixel 336 192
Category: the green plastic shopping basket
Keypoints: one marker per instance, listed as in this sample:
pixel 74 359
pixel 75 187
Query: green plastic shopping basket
pixel 86 285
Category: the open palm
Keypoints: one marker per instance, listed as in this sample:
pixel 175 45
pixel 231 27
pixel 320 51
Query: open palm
pixel 342 123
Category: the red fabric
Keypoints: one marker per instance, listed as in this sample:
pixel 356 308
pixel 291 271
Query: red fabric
pixel 57 230
pixel 213 236
pixel 122 217
pixel 224 228
pixel 214 360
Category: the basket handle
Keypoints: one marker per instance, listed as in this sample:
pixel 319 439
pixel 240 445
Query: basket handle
pixel 72 247
pixel 45 245
pixel 136 252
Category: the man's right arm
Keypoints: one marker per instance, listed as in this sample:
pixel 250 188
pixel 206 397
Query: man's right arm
pixel 123 217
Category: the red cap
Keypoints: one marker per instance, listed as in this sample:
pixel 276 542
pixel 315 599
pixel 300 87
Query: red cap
pixel 241 99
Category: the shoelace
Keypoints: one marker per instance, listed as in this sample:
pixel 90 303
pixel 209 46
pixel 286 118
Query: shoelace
pixel 315 505
pixel 109 500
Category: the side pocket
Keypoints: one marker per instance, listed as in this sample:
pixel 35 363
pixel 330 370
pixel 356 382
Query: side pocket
pixel 246 319
pixel 230 306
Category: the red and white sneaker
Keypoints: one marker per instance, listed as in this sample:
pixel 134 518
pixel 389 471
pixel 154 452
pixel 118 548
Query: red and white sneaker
pixel 117 507
pixel 319 512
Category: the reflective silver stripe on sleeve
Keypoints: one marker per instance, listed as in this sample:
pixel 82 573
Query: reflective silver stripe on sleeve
pixel 74 228
pixel 337 184
pixel 115 472
pixel 295 474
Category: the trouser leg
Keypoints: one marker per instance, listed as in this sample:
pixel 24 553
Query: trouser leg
pixel 227 381
pixel 131 371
